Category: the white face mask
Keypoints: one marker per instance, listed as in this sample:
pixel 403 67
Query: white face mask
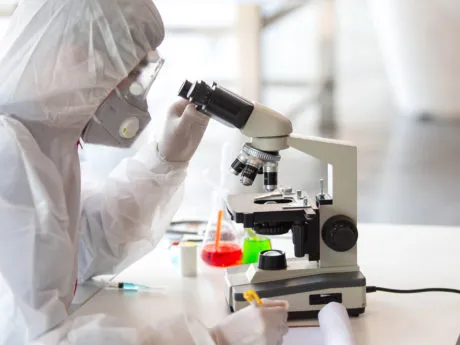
pixel 123 115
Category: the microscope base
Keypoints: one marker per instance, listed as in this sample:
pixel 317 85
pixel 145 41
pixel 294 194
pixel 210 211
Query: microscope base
pixel 306 295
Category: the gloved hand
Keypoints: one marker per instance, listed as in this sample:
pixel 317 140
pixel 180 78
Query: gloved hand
pixel 183 131
pixel 255 325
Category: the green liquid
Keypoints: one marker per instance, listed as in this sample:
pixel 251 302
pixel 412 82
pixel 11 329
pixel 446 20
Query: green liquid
pixel 252 246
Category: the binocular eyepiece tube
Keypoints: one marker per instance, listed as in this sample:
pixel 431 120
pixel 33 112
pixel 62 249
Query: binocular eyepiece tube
pixel 234 111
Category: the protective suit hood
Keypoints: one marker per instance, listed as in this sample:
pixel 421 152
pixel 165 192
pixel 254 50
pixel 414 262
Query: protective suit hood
pixel 61 58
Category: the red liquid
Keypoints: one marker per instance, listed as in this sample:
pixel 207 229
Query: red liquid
pixel 227 254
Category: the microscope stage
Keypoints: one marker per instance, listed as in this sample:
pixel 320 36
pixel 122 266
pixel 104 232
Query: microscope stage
pixel 252 208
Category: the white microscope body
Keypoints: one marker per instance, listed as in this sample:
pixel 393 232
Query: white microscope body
pixel 323 228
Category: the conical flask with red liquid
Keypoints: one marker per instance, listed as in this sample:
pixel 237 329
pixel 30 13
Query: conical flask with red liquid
pixel 221 246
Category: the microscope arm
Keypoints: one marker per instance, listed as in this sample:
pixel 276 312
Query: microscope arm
pixel 342 168
pixel 271 132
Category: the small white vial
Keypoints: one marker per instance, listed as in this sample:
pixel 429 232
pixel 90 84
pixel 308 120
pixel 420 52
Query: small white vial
pixel 188 258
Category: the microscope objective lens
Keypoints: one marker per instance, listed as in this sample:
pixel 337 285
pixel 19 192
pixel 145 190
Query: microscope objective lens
pixel 238 164
pixel 270 181
pixel 237 167
pixel 248 175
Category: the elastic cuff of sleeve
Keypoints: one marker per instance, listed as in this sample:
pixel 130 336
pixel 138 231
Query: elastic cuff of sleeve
pixel 151 158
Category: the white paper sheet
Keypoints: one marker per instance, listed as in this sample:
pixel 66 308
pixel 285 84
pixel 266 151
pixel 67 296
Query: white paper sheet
pixel 304 336
pixel 335 325
pixel 335 329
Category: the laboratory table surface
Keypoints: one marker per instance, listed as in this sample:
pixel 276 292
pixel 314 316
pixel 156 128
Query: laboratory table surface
pixel 390 256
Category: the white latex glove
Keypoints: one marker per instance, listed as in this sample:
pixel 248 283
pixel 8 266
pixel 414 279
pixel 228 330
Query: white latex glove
pixel 183 131
pixel 255 325
pixel 335 325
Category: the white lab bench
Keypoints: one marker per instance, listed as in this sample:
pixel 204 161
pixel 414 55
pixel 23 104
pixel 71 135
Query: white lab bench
pixel 389 256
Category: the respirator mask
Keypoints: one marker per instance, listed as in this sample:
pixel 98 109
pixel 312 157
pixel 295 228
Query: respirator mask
pixel 123 115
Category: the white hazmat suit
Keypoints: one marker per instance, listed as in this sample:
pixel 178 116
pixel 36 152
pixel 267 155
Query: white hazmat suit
pixel 60 61
pixel 62 58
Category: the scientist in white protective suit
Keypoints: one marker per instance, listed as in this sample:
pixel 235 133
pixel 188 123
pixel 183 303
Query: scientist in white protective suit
pixel 74 70
pixel 81 69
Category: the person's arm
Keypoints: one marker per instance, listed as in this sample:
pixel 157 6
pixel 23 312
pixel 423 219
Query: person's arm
pixel 125 217
pixel 37 260
pixel 266 324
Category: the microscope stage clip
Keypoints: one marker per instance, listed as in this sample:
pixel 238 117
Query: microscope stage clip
pixel 268 196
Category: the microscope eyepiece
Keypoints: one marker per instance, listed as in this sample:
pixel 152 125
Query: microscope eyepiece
pixel 198 93
pixel 218 103
pixel 185 89
pixel 233 110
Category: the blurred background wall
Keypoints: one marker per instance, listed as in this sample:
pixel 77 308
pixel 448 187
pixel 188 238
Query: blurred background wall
pixel 394 71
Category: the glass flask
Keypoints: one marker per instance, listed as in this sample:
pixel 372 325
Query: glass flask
pixel 221 246
pixel 253 244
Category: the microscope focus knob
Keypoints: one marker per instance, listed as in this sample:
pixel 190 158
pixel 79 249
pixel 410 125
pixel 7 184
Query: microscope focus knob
pixel 340 233
pixel 272 260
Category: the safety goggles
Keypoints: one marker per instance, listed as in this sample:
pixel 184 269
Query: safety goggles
pixel 145 73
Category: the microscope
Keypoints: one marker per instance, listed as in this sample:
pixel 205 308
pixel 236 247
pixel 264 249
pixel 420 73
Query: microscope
pixel 323 227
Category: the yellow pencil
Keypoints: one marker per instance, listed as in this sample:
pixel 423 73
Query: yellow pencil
pixel 252 297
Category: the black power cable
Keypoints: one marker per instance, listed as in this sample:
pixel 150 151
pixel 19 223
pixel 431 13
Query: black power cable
pixel 370 289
